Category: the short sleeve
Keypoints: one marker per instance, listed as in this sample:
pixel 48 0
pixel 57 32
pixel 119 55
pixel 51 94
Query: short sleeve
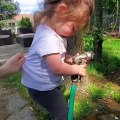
pixel 48 45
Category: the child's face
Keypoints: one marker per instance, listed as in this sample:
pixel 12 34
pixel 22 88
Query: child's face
pixel 65 26
pixel 68 28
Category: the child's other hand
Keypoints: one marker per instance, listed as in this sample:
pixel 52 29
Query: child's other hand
pixel 82 67
pixel 14 63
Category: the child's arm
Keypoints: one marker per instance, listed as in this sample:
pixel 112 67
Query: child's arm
pixel 12 65
pixel 61 68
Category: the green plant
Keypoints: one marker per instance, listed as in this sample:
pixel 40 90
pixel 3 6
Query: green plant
pixel 115 95
pixel 83 108
pixel 95 92
pixel 112 92
pixel 107 89
pixel 14 81
pixel 67 94
pixel 8 9
pixel 96 68
pixel 88 42
pixel 3 24
pixel 25 22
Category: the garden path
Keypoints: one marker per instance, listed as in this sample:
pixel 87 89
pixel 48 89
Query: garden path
pixel 7 51
pixel 12 106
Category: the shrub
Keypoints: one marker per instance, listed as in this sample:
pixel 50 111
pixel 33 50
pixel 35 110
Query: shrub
pixel 25 22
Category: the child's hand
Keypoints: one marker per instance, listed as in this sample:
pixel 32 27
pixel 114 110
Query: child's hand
pixel 13 64
pixel 80 69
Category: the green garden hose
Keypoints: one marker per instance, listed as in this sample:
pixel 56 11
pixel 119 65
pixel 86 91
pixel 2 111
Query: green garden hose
pixel 71 102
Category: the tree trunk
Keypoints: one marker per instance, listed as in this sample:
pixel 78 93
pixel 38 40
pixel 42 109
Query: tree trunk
pixel 119 26
pixel 119 16
pixel 76 45
pixel 98 35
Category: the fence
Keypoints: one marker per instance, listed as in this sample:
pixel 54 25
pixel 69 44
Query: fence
pixel 111 22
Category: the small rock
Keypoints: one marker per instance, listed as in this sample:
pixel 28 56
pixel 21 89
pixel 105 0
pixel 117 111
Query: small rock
pixel 116 118
pixel 106 117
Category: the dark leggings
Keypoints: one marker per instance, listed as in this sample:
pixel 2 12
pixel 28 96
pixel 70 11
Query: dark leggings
pixel 53 101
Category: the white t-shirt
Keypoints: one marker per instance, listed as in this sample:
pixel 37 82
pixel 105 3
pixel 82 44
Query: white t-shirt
pixel 36 73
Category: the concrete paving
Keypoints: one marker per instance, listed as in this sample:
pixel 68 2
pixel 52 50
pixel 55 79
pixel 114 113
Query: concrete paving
pixel 7 51
pixel 12 106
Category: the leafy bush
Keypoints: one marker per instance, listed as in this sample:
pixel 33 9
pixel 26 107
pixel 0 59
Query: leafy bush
pixel 25 22
pixel 88 42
